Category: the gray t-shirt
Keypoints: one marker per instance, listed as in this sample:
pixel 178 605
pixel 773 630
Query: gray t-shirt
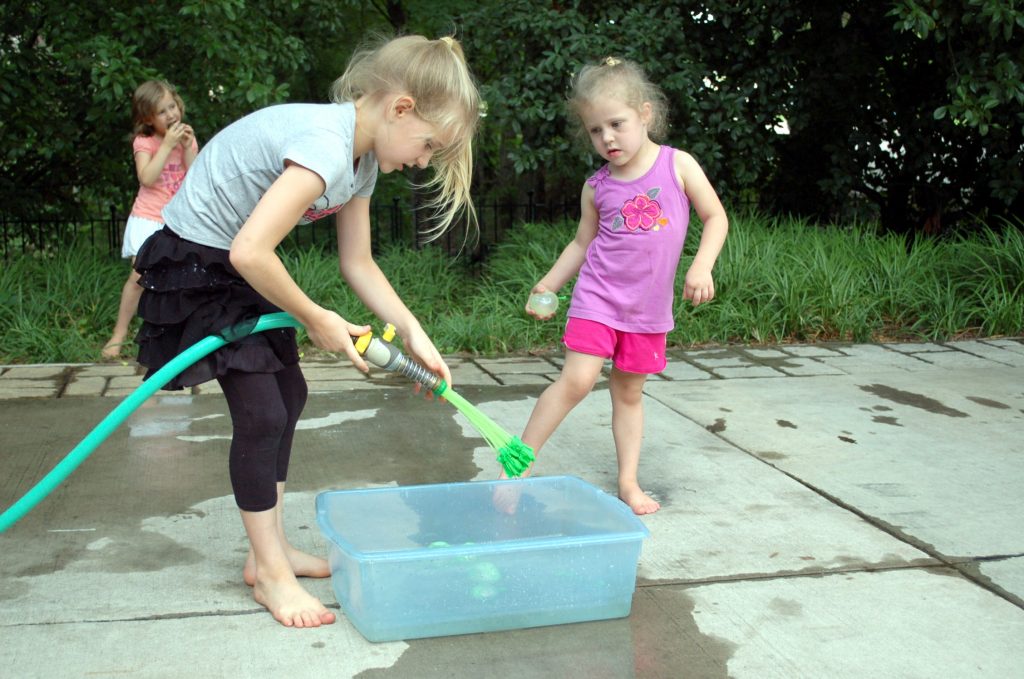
pixel 238 165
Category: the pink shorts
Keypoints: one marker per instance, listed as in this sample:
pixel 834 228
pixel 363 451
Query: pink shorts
pixel 633 352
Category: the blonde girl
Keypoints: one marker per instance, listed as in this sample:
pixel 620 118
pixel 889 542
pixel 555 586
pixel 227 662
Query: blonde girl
pixel 407 102
pixel 635 211
pixel 164 147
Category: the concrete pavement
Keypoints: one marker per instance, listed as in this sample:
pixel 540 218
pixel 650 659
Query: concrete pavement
pixel 828 510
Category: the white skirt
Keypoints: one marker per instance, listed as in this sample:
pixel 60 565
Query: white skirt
pixel 136 231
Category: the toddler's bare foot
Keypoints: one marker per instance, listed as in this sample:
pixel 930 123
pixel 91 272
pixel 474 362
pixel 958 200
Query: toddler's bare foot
pixel 303 566
pixel 506 496
pixel 290 604
pixel 640 502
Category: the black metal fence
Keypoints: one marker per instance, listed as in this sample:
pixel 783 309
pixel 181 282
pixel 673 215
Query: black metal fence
pixel 24 236
pixel 396 222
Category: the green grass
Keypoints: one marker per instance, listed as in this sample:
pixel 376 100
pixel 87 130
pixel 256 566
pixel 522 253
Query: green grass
pixel 776 281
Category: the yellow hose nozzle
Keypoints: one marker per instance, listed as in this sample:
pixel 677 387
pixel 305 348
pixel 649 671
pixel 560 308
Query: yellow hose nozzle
pixel 383 354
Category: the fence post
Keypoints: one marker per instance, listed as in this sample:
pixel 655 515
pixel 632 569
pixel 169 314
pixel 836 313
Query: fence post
pixel 415 223
pixel 112 239
pixel 396 231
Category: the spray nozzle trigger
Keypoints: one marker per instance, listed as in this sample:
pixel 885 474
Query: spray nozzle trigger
pixel 362 342
pixel 383 354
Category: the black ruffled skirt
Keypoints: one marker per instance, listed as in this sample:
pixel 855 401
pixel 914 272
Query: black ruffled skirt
pixel 191 291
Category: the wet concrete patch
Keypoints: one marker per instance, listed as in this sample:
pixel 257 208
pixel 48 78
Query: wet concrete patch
pixel 909 398
pixel 589 649
pixel 786 607
pixel 885 419
pixel 804 626
pixel 659 639
pixel 988 403
pixel 1006 574
pixel 142 551
pixel 770 455
pixel 974 570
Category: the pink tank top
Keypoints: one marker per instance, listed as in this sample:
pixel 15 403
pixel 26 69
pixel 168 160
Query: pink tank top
pixel 150 200
pixel 627 279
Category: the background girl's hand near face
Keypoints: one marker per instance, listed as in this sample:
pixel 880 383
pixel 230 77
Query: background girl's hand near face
pixel 187 135
pixel 176 133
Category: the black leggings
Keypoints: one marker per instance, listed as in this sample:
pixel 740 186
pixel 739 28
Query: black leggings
pixel 264 410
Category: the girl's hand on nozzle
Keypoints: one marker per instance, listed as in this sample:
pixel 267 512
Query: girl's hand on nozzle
pixel 331 332
pixel 423 351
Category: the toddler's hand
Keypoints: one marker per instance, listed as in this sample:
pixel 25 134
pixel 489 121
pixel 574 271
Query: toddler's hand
pixel 698 286
pixel 541 309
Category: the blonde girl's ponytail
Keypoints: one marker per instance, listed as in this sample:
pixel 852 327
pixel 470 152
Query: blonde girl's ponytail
pixel 435 74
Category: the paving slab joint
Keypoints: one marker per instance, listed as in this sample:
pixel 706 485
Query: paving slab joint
pixel 67 375
pixel 487 372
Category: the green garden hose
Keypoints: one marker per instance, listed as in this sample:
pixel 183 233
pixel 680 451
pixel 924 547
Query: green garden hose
pixel 118 415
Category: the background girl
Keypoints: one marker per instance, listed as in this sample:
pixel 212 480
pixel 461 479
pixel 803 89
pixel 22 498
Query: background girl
pixel 164 148
pixel 635 211
pixel 407 102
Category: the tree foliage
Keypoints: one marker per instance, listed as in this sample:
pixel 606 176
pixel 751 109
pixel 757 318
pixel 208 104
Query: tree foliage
pixel 906 110
pixel 983 53
pixel 868 108
pixel 894 112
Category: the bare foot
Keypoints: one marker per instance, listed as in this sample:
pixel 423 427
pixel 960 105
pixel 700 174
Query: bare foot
pixel 506 495
pixel 290 604
pixel 640 502
pixel 303 566
pixel 506 498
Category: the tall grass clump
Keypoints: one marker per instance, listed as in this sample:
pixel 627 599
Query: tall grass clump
pixel 783 280
pixel 513 267
pixel 777 280
pixel 431 283
pixel 59 308
pixel 987 276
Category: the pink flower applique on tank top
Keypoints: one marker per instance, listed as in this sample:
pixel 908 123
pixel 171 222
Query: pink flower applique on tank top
pixel 641 212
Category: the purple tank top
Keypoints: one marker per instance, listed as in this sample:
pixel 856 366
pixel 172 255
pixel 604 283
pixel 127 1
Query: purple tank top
pixel 627 279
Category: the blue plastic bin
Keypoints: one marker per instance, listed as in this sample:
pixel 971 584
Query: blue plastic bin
pixel 458 558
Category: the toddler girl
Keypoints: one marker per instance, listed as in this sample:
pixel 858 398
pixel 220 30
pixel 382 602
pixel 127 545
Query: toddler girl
pixel 635 211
